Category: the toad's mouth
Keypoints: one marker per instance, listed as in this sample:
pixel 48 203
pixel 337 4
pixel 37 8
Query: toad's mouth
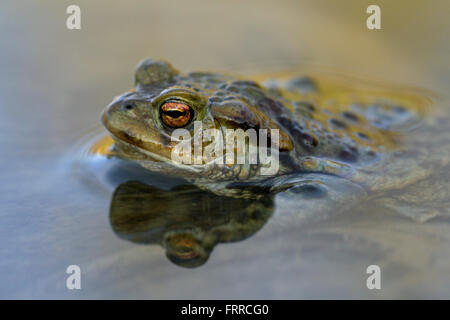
pixel 128 149
pixel 153 161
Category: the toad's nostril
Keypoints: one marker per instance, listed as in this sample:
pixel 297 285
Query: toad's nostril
pixel 128 106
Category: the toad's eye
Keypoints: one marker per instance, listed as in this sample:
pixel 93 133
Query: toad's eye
pixel 176 114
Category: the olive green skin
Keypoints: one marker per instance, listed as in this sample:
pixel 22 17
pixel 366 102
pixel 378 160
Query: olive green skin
pixel 324 128
pixel 338 144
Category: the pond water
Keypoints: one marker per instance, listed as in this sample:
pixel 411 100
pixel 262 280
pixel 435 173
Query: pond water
pixel 63 206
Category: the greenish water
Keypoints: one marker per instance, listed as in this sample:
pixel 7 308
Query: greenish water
pixel 56 201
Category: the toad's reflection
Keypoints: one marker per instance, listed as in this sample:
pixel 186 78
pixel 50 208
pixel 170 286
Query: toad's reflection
pixel 186 221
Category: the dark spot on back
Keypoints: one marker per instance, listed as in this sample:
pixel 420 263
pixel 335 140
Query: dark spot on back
pixel 245 83
pixel 271 107
pixel 371 153
pixel 349 155
pixel 350 116
pixel 399 109
pixel 362 136
pixel 338 123
pixel 307 140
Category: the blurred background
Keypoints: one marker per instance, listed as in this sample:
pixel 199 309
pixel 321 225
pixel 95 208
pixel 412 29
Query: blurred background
pixel 54 82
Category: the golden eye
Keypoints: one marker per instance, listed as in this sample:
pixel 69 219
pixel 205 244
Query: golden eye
pixel 176 114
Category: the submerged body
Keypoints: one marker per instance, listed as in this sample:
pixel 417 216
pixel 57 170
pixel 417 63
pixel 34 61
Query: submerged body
pixel 325 126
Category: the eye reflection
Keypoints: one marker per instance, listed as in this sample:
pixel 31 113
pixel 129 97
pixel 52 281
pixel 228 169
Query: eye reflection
pixel 186 221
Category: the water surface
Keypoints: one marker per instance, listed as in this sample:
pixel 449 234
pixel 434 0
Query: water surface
pixel 57 212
